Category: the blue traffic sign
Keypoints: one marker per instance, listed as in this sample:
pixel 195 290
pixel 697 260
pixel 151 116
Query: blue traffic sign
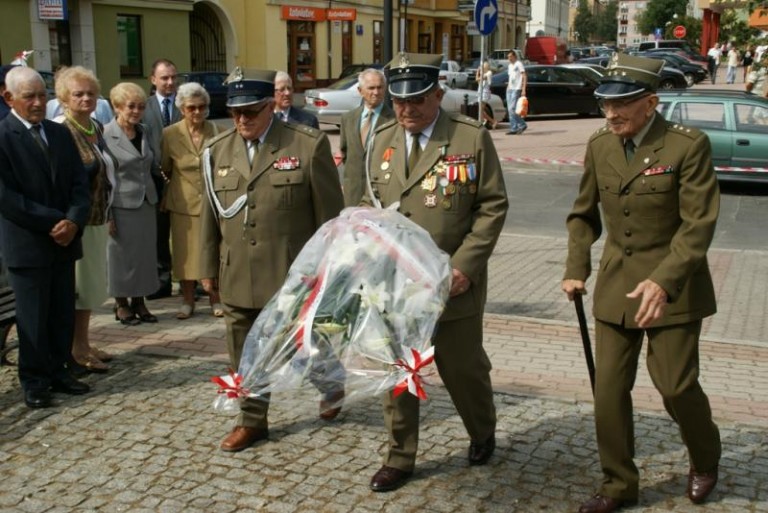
pixel 486 16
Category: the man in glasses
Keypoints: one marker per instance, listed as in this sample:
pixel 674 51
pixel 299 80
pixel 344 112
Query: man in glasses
pixel 659 196
pixel 270 185
pixel 443 171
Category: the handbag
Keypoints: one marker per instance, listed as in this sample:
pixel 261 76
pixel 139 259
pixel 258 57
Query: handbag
pixel 521 107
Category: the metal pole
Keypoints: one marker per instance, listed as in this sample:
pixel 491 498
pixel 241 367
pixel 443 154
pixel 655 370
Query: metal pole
pixel 482 79
pixel 386 54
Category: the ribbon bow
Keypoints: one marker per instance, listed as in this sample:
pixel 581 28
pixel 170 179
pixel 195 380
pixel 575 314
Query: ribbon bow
pixel 231 385
pixel 412 363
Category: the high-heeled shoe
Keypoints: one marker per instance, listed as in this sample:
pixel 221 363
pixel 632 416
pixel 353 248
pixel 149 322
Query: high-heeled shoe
pixel 142 313
pixel 121 312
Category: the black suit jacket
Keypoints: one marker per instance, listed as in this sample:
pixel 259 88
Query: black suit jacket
pixel 37 191
pixel 302 117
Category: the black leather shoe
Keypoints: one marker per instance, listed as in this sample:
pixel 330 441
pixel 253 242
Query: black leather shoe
pixel 388 479
pixel 37 398
pixel 165 290
pixel 700 485
pixel 141 312
pixel 481 452
pixel 68 385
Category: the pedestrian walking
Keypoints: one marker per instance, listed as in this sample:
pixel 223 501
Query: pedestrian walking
pixel 713 61
pixel 516 87
pixel 655 185
pixel 733 63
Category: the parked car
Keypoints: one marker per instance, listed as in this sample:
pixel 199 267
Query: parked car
pixel 555 89
pixel 213 82
pixel 736 123
pixel 355 69
pixel 693 72
pixel 329 103
pixel 673 44
pixel 670 78
pixel 450 74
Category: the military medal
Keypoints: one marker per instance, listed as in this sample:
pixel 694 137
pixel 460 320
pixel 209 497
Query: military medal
pixel 446 203
pixel 430 201
pixel 472 188
pixel 450 189
pixel 386 157
pixel 222 171
pixel 429 183
pixel 387 175
pixel 444 181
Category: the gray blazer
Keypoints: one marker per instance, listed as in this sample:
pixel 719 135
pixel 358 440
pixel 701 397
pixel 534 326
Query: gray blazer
pixel 134 171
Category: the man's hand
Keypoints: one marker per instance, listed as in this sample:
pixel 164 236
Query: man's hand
pixel 63 232
pixel 459 282
pixel 210 285
pixel 573 287
pixel 653 300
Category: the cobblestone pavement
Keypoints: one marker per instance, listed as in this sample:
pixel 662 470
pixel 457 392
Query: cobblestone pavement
pixel 146 438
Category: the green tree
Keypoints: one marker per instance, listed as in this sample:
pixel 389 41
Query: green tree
pixel 735 30
pixel 658 12
pixel 584 22
pixel 607 22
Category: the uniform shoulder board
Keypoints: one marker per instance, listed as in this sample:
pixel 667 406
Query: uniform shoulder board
pixel 386 125
pixel 687 131
pixel 304 129
pixel 219 137
pixel 600 132
pixel 462 118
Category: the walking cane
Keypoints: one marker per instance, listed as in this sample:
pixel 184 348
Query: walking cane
pixel 585 339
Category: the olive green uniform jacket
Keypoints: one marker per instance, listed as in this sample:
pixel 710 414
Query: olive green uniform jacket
pixel 465 224
pixel 291 189
pixel 660 214
pixel 351 147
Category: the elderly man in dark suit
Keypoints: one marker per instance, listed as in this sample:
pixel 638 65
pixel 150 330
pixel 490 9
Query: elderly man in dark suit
pixel 161 112
pixel 443 171
pixel 44 205
pixel 357 127
pixel 270 186
pixel 660 201
pixel 284 108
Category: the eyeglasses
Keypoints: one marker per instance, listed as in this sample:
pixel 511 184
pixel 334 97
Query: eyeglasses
pixel 196 108
pixel 606 104
pixel 249 113
pixel 135 106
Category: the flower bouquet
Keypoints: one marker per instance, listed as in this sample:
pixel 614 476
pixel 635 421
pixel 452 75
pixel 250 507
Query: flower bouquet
pixel 356 313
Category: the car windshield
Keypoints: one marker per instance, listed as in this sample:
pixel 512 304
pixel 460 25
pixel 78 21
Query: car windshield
pixel 344 83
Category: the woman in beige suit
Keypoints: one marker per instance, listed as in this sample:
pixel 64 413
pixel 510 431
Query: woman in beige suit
pixel 182 146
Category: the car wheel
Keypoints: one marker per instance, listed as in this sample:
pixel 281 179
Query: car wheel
pixel 667 84
pixel 689 79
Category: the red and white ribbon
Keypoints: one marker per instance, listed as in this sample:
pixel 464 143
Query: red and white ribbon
pixel 412 363
pixel 231 385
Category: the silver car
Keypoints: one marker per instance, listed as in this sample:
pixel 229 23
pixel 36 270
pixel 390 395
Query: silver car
pixel 329 103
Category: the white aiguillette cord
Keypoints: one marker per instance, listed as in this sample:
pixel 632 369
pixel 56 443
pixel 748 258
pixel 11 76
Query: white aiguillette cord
pixel 226 213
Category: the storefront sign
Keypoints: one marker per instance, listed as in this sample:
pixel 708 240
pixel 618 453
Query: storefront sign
pixel 292 12
pixel 52 9
pixel 341 14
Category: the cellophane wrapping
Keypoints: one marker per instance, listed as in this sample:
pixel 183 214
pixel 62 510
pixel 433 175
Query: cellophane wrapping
pixel 356 313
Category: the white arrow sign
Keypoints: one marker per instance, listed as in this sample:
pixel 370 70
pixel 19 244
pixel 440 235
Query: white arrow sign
pixel 487 13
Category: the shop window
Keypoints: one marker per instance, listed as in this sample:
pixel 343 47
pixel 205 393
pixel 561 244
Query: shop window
pixel 346 43
pixel 301 56
pixel 378 41
pixel 129 40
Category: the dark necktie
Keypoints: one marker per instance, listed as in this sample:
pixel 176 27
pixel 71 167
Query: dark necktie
pixel 415 154
pixel 365 128
pixel 35 131
pixel 629 150
pixel 166 111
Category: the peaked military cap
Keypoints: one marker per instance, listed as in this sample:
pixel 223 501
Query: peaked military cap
pixel 629 76
pixel 249 86
pixel 413 74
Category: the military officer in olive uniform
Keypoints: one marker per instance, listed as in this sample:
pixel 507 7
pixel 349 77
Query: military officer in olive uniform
pixel 659 196
pixel 443 171
pixel 270 185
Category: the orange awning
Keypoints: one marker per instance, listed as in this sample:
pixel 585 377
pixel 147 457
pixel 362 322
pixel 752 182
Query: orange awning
pixel 759 19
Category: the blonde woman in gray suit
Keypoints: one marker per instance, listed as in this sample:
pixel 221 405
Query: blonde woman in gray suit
pixel 131 249
pixel 182 147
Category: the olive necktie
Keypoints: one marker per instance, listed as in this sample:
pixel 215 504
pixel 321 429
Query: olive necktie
pixel 629 150
pixel 415 153
pixel 365 128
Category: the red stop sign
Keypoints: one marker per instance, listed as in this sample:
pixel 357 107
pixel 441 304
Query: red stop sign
pixel 679 32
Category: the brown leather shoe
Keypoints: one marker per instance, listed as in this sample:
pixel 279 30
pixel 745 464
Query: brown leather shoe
pixel 243 437
pixel 388 479
pixel 700 485
pixel 602 504
pixel 327 409
pixel 480 452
